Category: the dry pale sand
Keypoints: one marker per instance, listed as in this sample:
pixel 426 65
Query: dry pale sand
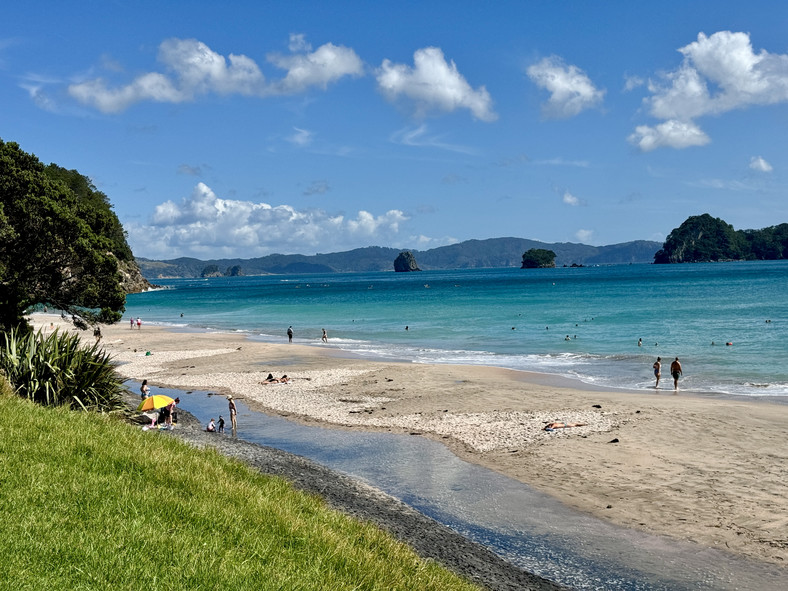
pixel 706 469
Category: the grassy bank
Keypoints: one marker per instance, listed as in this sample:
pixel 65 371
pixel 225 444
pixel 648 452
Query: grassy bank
pixel 91 503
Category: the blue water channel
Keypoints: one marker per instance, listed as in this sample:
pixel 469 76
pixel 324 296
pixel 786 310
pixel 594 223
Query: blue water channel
pixel 523 526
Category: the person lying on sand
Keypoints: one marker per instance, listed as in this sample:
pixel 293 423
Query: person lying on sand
pixel 272 380
pixel 560 425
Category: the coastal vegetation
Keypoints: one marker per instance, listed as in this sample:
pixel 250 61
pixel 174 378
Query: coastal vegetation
pixel 59 370
pixel 60 243
pixel 538 258
pixel 703 238
pixel 93 503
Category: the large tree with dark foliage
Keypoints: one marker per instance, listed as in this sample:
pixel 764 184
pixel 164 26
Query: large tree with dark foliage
pixel 95 208
pixel 59 243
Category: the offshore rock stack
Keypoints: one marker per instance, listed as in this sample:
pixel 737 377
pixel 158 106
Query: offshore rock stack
pixel 405 262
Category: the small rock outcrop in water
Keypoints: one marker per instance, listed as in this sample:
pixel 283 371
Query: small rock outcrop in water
pixel 405 262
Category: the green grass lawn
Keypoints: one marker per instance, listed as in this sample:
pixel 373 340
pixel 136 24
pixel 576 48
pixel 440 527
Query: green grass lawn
pixel 88 502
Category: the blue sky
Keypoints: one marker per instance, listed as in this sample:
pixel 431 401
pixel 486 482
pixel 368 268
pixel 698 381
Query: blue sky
pixel 248 128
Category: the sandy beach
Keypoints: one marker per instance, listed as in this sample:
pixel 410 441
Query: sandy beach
pixel 709 470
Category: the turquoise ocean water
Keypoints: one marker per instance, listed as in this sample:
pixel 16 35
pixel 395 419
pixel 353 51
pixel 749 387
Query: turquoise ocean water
pixel 519 319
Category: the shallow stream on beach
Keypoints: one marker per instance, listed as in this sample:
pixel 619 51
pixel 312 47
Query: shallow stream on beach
pixel 523 526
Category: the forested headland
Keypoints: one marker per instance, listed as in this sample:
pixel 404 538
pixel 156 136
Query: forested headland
pixel 703 238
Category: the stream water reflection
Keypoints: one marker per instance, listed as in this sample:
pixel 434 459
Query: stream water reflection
pixel 525 527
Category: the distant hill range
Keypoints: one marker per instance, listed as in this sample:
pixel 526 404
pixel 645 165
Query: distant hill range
pixel 471 254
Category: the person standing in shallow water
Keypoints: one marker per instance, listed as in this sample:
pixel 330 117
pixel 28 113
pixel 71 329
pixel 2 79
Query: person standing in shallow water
pixel 290 334
pixel 325 336
pixel 676 372
pixel 658 370
pixel 233 412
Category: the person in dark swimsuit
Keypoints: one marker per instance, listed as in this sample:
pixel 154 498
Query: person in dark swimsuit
pixel 676 372
pixel 658 370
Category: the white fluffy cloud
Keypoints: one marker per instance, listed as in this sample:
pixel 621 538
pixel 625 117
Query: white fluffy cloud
pixel 326 64
pixel 672 134
pixel 206 226
pixel 571 90
pixel 719 73
pixel 570 199
pixel 192 69
pixel 433 83
pixel 759 164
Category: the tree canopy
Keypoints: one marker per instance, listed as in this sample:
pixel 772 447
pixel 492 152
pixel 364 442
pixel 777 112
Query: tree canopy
pixel 59 243
pixel 96 209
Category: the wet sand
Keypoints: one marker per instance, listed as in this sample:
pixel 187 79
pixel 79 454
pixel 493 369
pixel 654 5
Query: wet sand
pixel 710 470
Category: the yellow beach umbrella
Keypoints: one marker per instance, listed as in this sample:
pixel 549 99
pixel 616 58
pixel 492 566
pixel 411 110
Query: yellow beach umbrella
pixel 154 402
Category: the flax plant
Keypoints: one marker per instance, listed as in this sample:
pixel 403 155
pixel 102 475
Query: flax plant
pixel 59 370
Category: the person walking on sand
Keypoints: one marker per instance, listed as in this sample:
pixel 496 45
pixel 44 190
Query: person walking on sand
pixel 325 336
pixel 676 372
pixel 290 334
pixel 139 323
pixel 658 370
pixel 131 323
pixel 233 412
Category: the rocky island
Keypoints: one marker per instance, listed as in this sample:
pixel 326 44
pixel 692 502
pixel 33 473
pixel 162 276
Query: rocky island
pixel 405 262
